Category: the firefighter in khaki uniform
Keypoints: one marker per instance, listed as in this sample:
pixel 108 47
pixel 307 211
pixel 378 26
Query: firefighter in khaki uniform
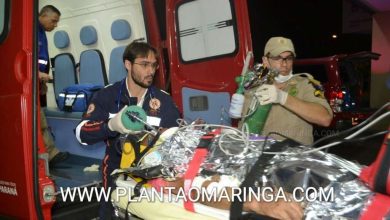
pixel 297 100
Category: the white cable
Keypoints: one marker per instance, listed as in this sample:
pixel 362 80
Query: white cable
pixel 245 130
pixel 368 125
pixel 352 135
pixel 181 122
pixel 248 57
pixel 337 142
pixel 245 148
pixel 243 135
pixel 251 109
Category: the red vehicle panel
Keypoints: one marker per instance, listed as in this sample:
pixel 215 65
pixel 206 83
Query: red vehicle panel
pixel 343 85
pixel 19 171
pixel 25 187
pixel 205 74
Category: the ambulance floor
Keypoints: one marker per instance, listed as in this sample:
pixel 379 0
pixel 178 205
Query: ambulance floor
pixel 70 173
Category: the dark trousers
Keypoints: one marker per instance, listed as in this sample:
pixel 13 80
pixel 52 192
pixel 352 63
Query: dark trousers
pixel 106 210
pixel 43 100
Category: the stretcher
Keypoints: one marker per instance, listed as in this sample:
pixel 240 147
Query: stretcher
pixel 166 209
pixel 294 166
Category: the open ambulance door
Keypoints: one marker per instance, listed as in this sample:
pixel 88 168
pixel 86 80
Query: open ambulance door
pixel 207 44
pixel 19 194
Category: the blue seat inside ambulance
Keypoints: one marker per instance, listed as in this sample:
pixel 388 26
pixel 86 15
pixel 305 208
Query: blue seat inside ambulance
pixel 120 32
pixel 64 72
pixel 92 67
pixel 70 173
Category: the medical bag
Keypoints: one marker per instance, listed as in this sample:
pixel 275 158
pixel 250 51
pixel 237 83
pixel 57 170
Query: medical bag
pixel 76 98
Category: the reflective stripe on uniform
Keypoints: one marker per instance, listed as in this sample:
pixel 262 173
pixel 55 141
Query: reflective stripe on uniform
pixel 44 62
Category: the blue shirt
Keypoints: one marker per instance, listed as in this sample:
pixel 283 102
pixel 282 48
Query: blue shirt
pixel 110 100
pixel 43 52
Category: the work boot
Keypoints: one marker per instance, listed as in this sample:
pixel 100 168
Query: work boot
pixel 58 158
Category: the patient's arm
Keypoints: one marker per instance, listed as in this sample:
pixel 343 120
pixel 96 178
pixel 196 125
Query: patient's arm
pixel 279 209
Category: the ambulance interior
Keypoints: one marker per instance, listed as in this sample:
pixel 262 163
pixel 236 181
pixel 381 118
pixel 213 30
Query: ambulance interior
pixel 87 47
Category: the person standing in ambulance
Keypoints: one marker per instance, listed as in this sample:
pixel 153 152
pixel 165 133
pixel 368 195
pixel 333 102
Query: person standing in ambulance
pixel 48 18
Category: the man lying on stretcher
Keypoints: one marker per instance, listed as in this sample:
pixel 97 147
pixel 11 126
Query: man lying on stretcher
pixel 174 182
pixel 279 208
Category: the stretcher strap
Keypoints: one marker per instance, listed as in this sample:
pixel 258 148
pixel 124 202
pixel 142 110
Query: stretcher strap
pixel 377 175
pixel 378 208
pixel 193 166
pixel 382 178
pixel 192 171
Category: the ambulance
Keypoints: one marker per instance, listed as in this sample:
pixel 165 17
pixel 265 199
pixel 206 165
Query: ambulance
pixel 196 39
pixel 202 44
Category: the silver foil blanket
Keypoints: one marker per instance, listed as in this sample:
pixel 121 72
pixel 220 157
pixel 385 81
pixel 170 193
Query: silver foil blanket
pixel 177 151
pixel 227 155
pixel 336 194
pixel 327 174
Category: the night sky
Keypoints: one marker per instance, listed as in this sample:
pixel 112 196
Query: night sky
pixel 309 23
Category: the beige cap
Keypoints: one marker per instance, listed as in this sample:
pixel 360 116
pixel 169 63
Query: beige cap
pixel 278 45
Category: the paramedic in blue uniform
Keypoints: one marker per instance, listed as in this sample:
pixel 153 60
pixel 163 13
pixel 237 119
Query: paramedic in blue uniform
pixel 49 16
pixel 102 121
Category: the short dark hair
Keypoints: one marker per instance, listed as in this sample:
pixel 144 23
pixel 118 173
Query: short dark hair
pixel 138 49
pixel 49 8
